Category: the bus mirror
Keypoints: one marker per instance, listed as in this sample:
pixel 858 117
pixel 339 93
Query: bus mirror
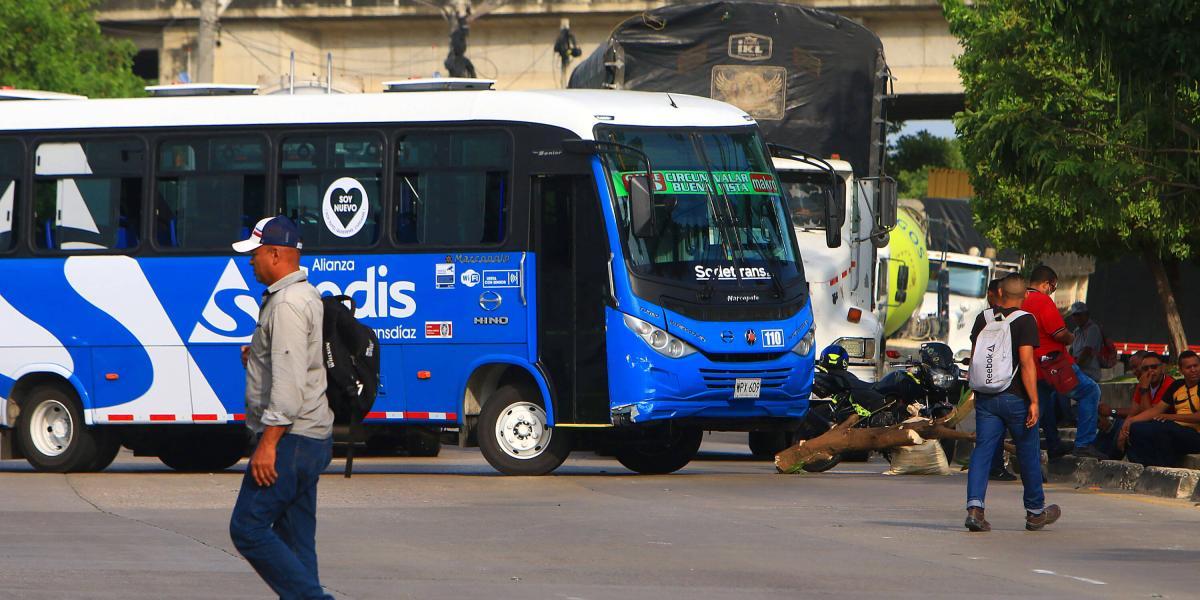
pixel 901 284
pixel 834 217
pixel 641 206
pixel 886 210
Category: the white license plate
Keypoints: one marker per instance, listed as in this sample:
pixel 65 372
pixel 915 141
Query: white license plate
pixel 747 388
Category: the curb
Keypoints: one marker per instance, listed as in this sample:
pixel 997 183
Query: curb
pixel 1125 476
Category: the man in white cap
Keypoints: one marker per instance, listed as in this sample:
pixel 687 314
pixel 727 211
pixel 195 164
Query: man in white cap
pixel 1088 341
pixel 274 522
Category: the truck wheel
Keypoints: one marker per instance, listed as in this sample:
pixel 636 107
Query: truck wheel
pixel 422 441
pixel 51 432
pixel 764 445
pixel 667 455
pixel 514 435
pixel 203 453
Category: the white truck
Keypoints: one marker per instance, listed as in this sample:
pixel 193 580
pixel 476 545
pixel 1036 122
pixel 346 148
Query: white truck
pixel 842 279
pixel 957 291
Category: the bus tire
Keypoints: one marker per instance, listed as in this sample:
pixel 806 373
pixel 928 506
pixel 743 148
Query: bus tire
pixel 108 445
pixel 52 434
pixel 515 437
pixel 667 455
pixel 764 445
pixel 423 441
pixel 203 453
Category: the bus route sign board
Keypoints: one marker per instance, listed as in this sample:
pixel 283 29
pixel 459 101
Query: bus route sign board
pixel 697 182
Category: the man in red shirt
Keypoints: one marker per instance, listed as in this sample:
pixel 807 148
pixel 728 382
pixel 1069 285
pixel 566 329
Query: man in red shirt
pixel 1053 337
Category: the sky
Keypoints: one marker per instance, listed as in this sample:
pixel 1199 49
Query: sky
pixel 939 128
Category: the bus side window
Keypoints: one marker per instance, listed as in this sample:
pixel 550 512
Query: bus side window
pixel 452 188
pixel 11 158
pixel 88 195
pixel 208 191
pixel 331 186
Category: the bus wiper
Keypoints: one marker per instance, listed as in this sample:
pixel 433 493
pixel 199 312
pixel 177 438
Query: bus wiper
pixel 723 227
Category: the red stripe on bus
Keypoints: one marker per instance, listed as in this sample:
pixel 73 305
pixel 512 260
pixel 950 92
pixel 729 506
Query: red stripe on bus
pixel 376 415
pixel 204 417
pixel 120 417
pixel 162 417
pixel 239 417
pixel 416 415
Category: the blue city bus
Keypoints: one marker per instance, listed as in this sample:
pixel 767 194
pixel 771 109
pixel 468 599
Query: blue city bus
pixel 544 270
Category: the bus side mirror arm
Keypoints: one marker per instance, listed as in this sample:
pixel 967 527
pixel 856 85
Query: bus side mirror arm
pixel 643 223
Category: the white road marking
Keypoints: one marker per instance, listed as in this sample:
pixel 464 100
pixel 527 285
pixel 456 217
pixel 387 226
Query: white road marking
pixel 1083 579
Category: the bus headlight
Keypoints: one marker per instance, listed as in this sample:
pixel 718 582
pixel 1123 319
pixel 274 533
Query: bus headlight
pixel 805 346
pixel 661 341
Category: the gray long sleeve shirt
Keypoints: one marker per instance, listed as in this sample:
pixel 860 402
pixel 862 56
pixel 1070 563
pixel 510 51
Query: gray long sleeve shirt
pixel 285 376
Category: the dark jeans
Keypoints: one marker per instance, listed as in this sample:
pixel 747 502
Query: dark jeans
pixel 275 527
pixel 1161 443
pixel 994 414
pixel 1106 441
pixel 1086 395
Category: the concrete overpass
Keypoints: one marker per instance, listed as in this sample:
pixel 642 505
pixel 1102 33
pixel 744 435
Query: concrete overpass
pixel 373 41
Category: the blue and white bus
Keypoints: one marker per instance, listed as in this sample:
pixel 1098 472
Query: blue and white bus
pixel 528 287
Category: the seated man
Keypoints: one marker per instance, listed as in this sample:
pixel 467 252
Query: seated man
pixel 1162 434
pixel 1152 384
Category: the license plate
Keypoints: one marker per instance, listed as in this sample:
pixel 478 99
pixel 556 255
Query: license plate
pixel 747 388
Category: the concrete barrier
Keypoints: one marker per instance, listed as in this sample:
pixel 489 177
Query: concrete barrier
pixel 1117 395
pixel 1069 469
pixel 1167 482
pixel 1111 474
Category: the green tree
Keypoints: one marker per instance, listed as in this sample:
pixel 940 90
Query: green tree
pixel 1081 128
pixel 912 155
pixel 56 45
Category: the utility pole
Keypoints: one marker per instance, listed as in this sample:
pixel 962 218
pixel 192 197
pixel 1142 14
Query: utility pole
pixel 206 41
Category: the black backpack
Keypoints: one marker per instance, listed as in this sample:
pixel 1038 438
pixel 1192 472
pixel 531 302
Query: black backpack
pixel 351 355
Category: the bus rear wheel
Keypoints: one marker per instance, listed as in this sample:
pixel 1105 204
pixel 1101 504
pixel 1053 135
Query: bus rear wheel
pixel 53 437
pixel 668 454
pixel 515 436
pixel 203 452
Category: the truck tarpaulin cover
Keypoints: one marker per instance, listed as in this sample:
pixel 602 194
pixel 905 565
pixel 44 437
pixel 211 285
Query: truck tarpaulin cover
pixel 810 78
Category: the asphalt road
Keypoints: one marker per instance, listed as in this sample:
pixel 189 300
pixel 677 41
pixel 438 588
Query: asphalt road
pixel 724 527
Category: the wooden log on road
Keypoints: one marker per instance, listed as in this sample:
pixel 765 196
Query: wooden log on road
pixel 845 437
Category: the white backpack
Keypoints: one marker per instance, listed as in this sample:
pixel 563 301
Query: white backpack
pixel 993 364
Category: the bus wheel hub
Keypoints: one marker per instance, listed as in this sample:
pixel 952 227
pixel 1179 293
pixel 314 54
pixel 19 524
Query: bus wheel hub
pixel 522 430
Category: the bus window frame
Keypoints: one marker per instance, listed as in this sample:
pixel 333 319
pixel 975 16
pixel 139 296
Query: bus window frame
pixel 276 206
pixel 19 239
pixel 160 137
pixel 509 199
pixel 37 139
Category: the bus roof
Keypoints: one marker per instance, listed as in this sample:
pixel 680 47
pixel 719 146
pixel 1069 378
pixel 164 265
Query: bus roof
pixel 11 94
pixel 575 110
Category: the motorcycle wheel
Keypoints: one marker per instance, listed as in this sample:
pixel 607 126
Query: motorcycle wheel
pixel 821 466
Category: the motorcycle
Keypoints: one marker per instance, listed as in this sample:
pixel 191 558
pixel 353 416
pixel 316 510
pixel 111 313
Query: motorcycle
pixel 928 387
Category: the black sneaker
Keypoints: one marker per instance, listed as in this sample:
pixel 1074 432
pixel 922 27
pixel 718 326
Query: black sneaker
pixel 1089 451
pixel 1058 452
pixel 1048 515
pixel 976 522
pixel 1002 475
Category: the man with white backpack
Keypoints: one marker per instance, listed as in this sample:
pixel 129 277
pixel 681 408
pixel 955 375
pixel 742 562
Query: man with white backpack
pixel 1004 378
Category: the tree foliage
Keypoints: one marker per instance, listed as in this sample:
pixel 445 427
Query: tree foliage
pixel 1081 124
pixel 912 156
pixel 56 45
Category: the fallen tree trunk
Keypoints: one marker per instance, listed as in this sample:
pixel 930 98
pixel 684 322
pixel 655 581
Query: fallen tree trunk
pixel 844 437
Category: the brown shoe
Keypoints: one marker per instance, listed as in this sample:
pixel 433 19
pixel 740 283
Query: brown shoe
pixel 975 521
pixel 1049 515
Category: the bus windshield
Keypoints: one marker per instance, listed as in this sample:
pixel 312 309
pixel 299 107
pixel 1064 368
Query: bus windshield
pixel 720 216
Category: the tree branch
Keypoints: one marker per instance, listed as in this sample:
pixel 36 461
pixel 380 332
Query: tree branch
pixel 484 8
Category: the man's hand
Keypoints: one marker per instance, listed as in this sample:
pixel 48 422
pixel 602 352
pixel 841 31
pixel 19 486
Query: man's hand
pixel 262 464
pixel 245 355
pixel 1031 420
pixel 1163 418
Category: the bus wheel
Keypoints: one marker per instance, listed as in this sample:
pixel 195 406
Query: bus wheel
pixel 108 444
pixel 203 453
pixel 422 441
pixel 52 435
pixel 515 437
pixel 666 455
pixel 764 445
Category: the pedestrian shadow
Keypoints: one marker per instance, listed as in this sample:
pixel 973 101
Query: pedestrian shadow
pixel 913 525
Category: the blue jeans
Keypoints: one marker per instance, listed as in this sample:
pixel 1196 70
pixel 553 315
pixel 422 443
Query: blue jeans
pixel 1087 398
pixel 275 527
pixel 1161 443
pixel 995 413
